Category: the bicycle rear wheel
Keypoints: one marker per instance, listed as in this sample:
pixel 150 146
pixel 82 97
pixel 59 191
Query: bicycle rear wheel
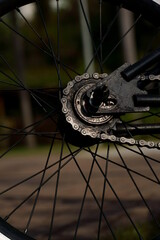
pixel 57 183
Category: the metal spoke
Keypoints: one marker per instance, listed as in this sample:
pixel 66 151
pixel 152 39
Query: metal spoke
pixel 111 52
pixel 91 35
pixel 92 192
pixel 32 127
pixel 56 193
pixel 119 201
pixel 49 42
pixel 103 39
pixel 40 186
pixel 34 192
pixel 64 66
pixel 25 38
pixel 38 173
pixel 129 169
pixel 103 193
pixel 84 195
pixel 149 165
pixel 22 130
pixel 32 28
pixel 36 98
pixel 100 28
pixel 144 117
pixel 137 152
pixel 136 186
pixel 48 103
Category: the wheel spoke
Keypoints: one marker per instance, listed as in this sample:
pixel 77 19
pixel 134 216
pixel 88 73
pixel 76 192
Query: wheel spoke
pixel 84 195
pixel 37 189
pixel 120 202
pixel 91 35
pixel 33 29
pixel 111 52
pixel 136 186
pixel 103 193
pixel 129 169
pixel 40 186
pixel 49 42
pixel 39 172
pixel 56 192
pixel 25 38
pixel 103 39
pixel 92 192
pixel 82 170
pixel 32 127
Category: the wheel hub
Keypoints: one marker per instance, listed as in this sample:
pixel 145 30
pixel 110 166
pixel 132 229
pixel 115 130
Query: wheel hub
pixel 76 106
pixel 82 109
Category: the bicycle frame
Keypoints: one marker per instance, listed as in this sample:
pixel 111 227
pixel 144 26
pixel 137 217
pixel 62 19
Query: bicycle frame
pixel 142 65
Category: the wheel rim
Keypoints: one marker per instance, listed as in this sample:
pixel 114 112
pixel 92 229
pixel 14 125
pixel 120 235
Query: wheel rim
pixel 84 195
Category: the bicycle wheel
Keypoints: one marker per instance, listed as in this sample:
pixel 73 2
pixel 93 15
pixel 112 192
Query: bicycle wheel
pixel 68 171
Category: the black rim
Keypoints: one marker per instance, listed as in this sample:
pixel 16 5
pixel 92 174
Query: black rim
pixel 100 199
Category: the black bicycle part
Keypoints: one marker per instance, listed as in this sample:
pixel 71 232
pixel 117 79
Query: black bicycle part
pixel 7 5
pixel 147 100
pixel 142 65
pixel 137 129
pixel 12 233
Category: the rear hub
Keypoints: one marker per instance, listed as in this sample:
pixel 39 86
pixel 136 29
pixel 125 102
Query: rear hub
pixel 83 126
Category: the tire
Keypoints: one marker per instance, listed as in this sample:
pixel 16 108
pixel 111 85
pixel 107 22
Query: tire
pixel 55 182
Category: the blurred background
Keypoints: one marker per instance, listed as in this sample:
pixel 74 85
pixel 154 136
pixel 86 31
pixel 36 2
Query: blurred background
pixel 28 61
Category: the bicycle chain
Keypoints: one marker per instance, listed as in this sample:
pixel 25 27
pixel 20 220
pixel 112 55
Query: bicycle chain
pixel 94 134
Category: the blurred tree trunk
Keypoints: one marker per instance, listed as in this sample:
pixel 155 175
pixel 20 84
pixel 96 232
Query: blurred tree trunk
pixel 43 8
pixel 86 38
pixel 129 43
pixel 25 102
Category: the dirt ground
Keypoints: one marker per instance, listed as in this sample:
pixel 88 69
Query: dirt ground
pixel 72 186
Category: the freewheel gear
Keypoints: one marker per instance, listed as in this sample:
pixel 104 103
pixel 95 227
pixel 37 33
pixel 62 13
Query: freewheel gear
pixel 74 106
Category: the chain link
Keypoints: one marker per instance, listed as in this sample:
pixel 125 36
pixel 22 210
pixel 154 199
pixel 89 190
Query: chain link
pixel 89 131
pixel 150 77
